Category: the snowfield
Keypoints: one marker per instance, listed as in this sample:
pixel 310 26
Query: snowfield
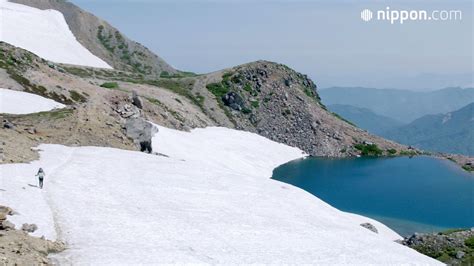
pixel 211 201
pixel 45 33
pixel 18 102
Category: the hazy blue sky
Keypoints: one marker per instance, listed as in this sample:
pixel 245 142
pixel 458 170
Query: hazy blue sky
pixel 325 39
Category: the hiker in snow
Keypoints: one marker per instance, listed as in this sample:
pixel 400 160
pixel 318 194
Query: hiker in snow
pixel 40 176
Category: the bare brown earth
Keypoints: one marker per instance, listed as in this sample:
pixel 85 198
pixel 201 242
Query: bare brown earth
pixel 17 247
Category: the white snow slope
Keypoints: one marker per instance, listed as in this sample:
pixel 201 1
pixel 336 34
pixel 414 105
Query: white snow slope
pixel 211 201
pixel 18 102
pixel 45 33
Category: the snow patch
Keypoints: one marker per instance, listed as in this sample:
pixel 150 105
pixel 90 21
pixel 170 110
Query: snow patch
pixel 18 102
pixel 45 33
pixel 211 201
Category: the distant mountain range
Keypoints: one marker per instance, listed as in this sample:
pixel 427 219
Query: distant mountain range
pixel 401 105
pixel 365 118
pixel 451 132
pixel 422 82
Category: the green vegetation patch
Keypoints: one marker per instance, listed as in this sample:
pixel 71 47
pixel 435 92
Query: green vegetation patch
pixel 392 151
pixel 469 242
pixel 246 110
pixel 180 74
pixel 450 231
pixel 110 85
pixel 218 89
pixel 309 92
pixel 255 104
pixel 368 149
pixel 105 39
pixel 37 89
pixel 408 153
pixel 116 44
pixel 468 168
pixel 54 114
pixel 76 96
pixel 248 87
pixel 77 71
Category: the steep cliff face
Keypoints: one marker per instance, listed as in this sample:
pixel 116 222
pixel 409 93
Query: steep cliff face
pixel 105 41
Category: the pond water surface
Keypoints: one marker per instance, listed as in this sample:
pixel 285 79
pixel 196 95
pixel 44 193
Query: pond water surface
pixel 419 194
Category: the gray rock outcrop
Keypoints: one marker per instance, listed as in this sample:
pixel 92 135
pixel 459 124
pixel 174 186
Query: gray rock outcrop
pixel 8 125
pixel 234 101
pixel 141 132
pixel 136 100
pixel 370 226
pixel 283 105
pixel 454 247
pixel 30 228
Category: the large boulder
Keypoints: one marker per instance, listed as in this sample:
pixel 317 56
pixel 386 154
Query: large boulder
pixel 30 228
pixel 370 226
pixel 6 225
pixel 234 101
pixel 128 111
pixel 136 100
pixel 141 132
pixel 8 125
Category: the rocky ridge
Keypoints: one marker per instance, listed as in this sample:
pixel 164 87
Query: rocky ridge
pixel 283 105
pixel 262 97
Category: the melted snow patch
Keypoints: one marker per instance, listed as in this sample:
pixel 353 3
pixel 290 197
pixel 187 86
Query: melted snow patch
pixel 45 33
pixel 18 102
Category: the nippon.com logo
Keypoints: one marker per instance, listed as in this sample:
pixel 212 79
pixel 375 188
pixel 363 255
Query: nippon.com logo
pixel 401 16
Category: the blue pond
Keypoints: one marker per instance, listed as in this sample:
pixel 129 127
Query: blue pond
pixel 419 194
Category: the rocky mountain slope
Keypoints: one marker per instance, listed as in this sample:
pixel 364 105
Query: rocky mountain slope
pixel 263 97
pixel 451 132
pixel 282 105
pixel 365 118
pixel 105 41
